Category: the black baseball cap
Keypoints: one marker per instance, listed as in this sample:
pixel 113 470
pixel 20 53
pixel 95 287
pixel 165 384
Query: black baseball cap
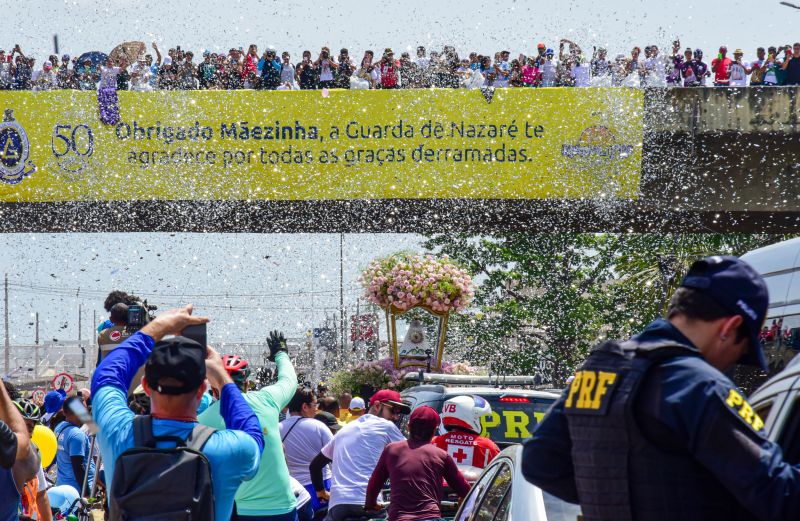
pixel 177 358
pixel 736 286
pixel 328 419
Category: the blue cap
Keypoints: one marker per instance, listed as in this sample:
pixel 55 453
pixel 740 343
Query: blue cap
pixel 54 401
pixel 548 51
pixel 737 287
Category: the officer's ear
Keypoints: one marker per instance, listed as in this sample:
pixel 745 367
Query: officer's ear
pixel 730 326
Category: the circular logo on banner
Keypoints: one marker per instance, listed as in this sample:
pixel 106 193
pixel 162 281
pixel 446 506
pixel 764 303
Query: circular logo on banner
pixel 115 335
pixel 38 395
pixel 14 151
pixel 63 381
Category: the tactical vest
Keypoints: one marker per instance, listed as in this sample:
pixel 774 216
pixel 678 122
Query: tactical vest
pixel 621 475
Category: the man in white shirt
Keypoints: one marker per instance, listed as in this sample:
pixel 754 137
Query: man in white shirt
pixel 581 73
pixel 303 437
pixel 655 69
pixel 354 453
pixel 738 70
pixel 44 79
pixel 422 61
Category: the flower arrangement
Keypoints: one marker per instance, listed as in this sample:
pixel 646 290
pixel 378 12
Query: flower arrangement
pixel 381 374
pixel 406 280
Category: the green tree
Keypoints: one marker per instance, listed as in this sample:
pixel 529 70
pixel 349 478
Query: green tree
pixel 543 300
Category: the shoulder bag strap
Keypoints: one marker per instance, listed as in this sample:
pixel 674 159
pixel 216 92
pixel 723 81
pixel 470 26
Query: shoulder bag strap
pixel 290 429
pixel 143 431
pixel 199 436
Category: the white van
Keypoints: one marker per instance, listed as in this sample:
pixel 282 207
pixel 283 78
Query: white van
pixel 779 264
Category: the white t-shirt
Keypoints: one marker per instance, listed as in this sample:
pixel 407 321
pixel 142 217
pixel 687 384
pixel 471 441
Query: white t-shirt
pixel 5 72
pixel 582 74
pixel 302 444
pixel 301 495
pixel 140 77
pixel 656 71
pixel 548 73
pixel 287 73
pixel 423 63
pixel 325 71
pixel 355 452
pixel 738 74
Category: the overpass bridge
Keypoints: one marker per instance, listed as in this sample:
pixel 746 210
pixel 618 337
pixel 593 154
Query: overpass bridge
pixel 595 159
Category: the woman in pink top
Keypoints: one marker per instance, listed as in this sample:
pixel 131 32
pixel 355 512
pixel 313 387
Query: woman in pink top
pixel 530 74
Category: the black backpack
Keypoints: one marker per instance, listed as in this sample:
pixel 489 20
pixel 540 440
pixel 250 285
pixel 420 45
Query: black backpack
pixel 163 484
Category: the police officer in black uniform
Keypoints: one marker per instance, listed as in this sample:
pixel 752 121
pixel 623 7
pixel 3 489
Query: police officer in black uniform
pixel 651 428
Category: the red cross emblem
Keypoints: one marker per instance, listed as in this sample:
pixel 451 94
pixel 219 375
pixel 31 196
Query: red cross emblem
pixel 459 455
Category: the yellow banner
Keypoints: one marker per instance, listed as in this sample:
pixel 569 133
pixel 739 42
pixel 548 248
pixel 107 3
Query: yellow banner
pixel 316 145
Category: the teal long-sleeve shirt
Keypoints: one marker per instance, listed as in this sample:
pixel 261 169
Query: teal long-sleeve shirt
pixel 269 492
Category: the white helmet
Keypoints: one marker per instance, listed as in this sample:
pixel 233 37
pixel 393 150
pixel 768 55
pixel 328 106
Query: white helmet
pixel 465 412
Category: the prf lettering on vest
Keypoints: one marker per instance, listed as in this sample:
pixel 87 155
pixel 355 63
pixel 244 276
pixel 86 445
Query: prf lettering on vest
pixel 588 389
pixel 737 402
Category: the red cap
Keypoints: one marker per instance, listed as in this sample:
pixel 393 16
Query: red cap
pixel 392 398
pixel 540 45
pixel 424 416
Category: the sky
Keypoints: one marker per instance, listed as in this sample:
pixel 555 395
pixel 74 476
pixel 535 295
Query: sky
pixel 517 26
pixel 293 280
pixel 248 284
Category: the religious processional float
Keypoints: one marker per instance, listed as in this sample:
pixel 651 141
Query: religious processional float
pixel 425 290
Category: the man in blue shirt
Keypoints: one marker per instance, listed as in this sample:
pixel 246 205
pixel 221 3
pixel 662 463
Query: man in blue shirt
pixel 651 428
pixel 72 457
pixel 174 380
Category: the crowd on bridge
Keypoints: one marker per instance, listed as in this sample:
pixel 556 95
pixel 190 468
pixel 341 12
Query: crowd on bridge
pixel 565 65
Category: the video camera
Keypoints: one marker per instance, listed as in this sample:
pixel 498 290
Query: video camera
pixel 139 314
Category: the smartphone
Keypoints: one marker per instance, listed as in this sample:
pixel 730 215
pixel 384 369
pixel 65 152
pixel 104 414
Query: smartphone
pixel 197 333
pixel 79 409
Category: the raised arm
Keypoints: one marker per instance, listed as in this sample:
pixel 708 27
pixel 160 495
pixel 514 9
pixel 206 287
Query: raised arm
pixel 158 54
pixel 13 419
pixel 25 462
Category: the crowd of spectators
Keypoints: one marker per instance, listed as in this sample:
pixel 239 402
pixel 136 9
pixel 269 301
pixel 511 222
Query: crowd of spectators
pixel 567 67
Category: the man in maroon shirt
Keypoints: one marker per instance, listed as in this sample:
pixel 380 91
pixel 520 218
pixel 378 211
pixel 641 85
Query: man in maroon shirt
pixel 415 469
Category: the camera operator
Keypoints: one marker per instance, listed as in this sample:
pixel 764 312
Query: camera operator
pixel 111 337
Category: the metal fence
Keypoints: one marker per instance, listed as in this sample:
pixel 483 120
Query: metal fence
pixel 33 365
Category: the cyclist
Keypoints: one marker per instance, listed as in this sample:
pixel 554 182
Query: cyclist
pixel 461 417
pixel 268 496
pixel 34 503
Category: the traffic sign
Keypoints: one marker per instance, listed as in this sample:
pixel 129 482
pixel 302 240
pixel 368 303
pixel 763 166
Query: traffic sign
pixel 38 395
pixel 63 381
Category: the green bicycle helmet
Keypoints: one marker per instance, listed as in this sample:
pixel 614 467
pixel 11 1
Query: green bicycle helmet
pixel 29 410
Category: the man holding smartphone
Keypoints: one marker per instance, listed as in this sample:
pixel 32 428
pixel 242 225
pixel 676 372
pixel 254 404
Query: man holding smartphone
pixel 792 65
pixel 175 375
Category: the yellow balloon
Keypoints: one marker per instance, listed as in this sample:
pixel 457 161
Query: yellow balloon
pixel 47 443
